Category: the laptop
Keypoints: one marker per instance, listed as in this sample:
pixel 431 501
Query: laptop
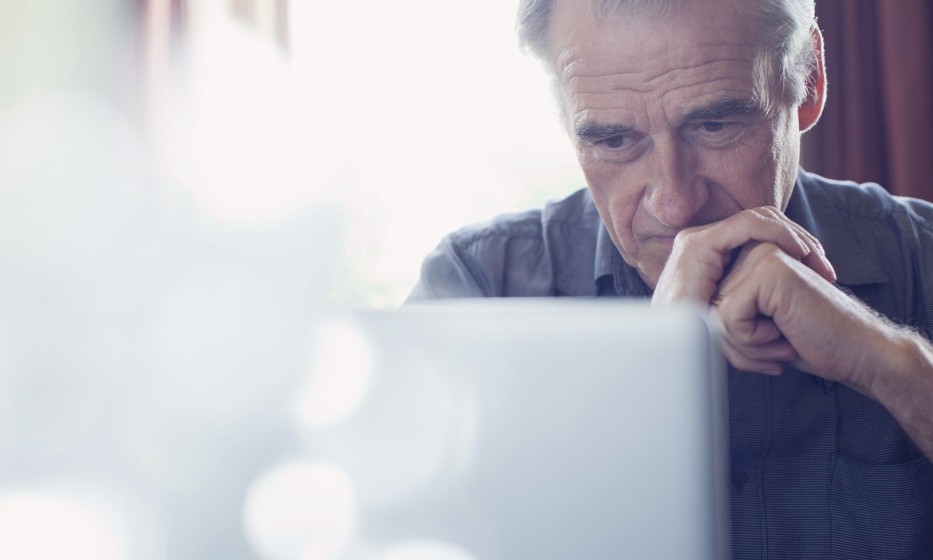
pixel 477 430
pixel 523 429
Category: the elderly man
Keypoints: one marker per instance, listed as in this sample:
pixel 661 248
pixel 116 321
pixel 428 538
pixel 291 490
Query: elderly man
pixel 686 118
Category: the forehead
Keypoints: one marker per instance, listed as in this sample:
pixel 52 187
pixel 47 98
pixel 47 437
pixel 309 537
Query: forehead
pixel 706 48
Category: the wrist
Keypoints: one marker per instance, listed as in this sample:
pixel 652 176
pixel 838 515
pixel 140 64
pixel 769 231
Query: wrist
pixel 903 376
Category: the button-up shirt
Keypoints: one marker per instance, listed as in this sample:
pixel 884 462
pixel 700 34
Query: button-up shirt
pixel 818 469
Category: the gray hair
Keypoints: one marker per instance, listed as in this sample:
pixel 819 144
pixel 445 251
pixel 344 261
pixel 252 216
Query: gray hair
pixel 785 40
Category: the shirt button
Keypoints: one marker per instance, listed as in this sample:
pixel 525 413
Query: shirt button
pixel 738 479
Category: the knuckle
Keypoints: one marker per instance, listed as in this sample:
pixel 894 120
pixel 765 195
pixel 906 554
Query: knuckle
pixel 686 238
pixel 765 252
pixel 742 363
pixel 769 213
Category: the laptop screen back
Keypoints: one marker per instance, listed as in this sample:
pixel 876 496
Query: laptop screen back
pixel 527 429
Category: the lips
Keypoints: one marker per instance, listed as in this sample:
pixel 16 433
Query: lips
pixel 659 238
pixel 663 239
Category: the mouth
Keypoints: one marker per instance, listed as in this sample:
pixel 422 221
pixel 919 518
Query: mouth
pixel 667 240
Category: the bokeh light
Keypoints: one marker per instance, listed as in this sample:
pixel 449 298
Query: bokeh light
pixel 414 428
pixel 425 550
pixel 44 526
pixel 341 367
pixel 301 511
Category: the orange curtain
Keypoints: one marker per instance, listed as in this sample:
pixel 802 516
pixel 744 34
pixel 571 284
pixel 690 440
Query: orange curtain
pixel 878 123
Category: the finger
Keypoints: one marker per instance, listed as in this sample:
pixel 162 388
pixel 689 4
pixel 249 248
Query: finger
pixel 820 264
pixel 811 239
pixel 765 225
pixel 767 355
pixel 775 351
pixel 753 332
pixel 757 340
pixel 701 255
pixel 740 362
pixel 804 243
pixel 690 274
pixel 743 323
pixel 816 255
pixel 753 338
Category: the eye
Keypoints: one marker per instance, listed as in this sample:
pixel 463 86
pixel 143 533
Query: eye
pixel 713 126
pixel 614 142
pixel 618 148
pixel 715 134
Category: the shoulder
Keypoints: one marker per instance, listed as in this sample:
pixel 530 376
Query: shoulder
pixel 862 217
pixel 868 202
pixel 574 211
pixel 881 245
pixel 516 254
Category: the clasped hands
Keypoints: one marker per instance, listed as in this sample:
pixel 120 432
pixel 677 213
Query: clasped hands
pixel 773 291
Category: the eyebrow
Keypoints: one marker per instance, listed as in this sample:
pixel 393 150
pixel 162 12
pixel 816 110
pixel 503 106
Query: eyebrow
pixel 718 110
pixel 724 108
pixel 596 130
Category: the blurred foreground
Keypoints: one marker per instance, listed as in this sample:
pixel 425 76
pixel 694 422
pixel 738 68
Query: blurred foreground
pixel 143 333
pixel 175 210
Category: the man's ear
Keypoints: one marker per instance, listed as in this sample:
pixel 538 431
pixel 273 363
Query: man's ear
pixel 812 107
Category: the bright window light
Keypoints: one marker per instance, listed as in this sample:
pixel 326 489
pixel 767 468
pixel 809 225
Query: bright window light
pixel 440 121
pixel 45 526
pixel 300 511
pixel 417 117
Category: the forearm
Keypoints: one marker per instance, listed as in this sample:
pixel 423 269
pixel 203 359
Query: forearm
pixel 905 387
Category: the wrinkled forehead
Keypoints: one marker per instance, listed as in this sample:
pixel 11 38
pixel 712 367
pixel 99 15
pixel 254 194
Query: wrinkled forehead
pixel 704 52
pixel 598 36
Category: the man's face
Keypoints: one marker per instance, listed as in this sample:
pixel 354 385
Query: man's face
pixel 668 121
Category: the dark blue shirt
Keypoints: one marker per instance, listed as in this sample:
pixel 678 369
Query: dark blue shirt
pixel 818 469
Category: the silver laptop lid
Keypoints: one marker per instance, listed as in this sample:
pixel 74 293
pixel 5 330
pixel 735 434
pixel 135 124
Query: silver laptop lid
pixel 522 429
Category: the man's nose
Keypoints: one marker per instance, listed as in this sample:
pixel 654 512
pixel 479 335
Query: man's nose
pixel 675 193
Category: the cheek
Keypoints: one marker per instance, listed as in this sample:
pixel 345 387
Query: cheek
pixel 774 168
pixel 616 198
pixel 788 161
pixel 750 175
pixel 618 204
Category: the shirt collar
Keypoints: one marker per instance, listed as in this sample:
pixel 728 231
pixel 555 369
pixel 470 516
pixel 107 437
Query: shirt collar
pixel 609 262
pixel 605 254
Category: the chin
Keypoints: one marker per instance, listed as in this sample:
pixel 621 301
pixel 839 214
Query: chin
pixel 650 275
pixel 649 268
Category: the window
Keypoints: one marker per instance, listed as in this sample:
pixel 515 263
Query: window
pixel 407 119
